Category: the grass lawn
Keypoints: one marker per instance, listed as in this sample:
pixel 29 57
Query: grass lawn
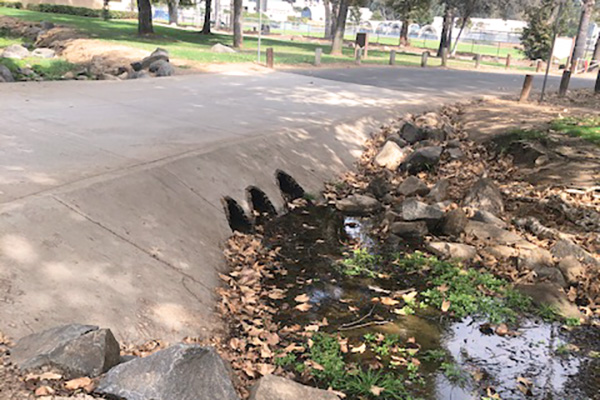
pixel 189 45
pixel 586 128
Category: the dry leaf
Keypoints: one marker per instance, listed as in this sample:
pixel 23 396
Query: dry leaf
pixel 78 383
pixel 359 349
pixel 376 390
pixel 44 391
pixel 502 330
pixel 408 297
pixel 388 301
pixel 265 369
pixel 303 298
pixel 445 306
pixel 303 307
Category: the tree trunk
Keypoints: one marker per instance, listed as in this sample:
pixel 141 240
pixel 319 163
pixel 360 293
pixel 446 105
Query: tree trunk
pixel 335 6
pixel 596 55
pixel 340 28
pixel 173 11
pixel 327 5
pixel 462 28
pixel 207 12
pixel 238 36
pixel 145 17
pixel 216 10
pixel 445 30
pixel 581 40
pixel 105 10
pixel 404 33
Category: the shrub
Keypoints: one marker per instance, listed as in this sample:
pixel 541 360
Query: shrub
pixel 11 4
pixel 80 11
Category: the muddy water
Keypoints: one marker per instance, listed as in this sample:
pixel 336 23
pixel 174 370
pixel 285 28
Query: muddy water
pixel 543 361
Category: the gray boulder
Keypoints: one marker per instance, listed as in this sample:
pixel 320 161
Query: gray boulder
pixel 455 153
pixel 162 68
pixel 413 186
pixel 565 248
pixel 446 250
pixel 489 218
pixel 16 52
pixel 423 159
pixel 221 48
pixel 46 25
pixel 5 74
pixel 181 372
pixel 546 293
pixel 43 52
pixel 138 75
pixel 391 155
pixel 358 204
pixel 454 222
pixel 76 350
pixel 492 234
pixel 411 133
pixel 409 230
pixel 413 210
pixel 273 387
pixel 158 54
pixel 572 269
pixel 439 192
pixel 379 187
pixel 485 195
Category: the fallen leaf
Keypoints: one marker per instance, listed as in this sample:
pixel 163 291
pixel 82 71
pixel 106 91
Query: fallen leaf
pixel 44 391
pixel 445 306
pixel 376 390
pixel 388 301
pixel 359 349
pixel 265 369
pixel 409 297
pixel 78 383
pixel 303 298
pixel 303 307
pixel 502 330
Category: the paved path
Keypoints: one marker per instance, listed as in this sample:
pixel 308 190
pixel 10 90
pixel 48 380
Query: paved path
pixel 110 192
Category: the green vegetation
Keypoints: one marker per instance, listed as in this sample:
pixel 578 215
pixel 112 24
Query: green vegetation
pixel 361 263
pixel 587 128
pixel 50 69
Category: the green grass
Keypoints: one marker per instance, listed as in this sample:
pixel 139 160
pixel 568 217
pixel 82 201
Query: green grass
pixel 586 128
pixel 50 69
pixel 189 45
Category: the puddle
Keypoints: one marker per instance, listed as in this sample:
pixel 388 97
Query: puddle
pixel 314 241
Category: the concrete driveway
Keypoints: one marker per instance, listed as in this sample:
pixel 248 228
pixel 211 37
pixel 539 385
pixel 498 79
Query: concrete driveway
pixel 111 192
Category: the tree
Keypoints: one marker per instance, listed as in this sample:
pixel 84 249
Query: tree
pixel 340 28
pixel 446 36
pixel 327 5
pixel 581 40
pixel 407 11
pixel 238 35
pixel 596 56
pixel 145 17
pixel 173 6
pixel 537 35
pixel 207 11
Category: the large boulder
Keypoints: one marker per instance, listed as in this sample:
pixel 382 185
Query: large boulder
pixel 572 269
pixel 138 75
pixel 413 210
pixel 221 48
pixel 492 234
pixel 181 372
pixel 273 387
pixel 43 52
pixel 5 74
pixel 439 191
pixel 423 159
pixel 162 68
pixel 549 294
pixel 158 54
pixel 409 230
pixel 446 250
pixel 379 187
pixel 15 51
pixel 358 204
pixel 564 248
pixel 411 133
pixel 391 155
pixel 76 350
pixel 489 218
pixel 413 186
pixel 454 222
pixel 485 195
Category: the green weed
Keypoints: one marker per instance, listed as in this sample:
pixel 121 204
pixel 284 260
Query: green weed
pixel 587 128
pixel 361 263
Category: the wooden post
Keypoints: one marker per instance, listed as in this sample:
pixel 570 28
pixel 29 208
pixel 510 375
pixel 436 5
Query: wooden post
pixel 527 84
pixel 357 55
pixel 477 60
pixel 270 57
pixel 318 52
pixel 538 66
pixel 507 61
pixel 393 57
pixel 597 88
pixel 444 57
pixel 564 83
pixel 424 58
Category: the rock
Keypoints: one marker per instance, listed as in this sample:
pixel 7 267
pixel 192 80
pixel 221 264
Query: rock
pixel 446 250
pixel 489 218
pixel 564 248
pixel 379 187
pixel 453 144
pixel 413 186
pixel 46 25
pixel 435 134
pixel 571 269
pixel 409 230
pixel 546 293
pixel 107 77
pixel 273 387
pixel 413 210
pixel 221 48
pixel 16 52
pixel 162 68
pixel 501 252
pixel 423 159
pixel 136 66
pixel 551 274
pixel 533 257
pixel 411 133
pixel 69 75
pixel 485 195
pixel 455 153
pixel 358 204
pixel 439 192
pixel 76 350
pixel 430 120
pixel 454 222
pixel 398 140
pixel 5 74
pixel 391 156
pixel 138 75
pixel 181 372
pixel 158 54
pixel 491 233
pixel 43 52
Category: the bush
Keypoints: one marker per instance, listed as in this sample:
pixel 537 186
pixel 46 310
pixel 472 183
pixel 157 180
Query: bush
pixel 11 4
pixel 80 11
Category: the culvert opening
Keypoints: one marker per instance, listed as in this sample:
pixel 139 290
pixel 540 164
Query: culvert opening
pixel 261 204
pixel 290 189
pixel 238 221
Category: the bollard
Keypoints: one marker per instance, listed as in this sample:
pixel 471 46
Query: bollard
pixel 508 61
pixel 357 55
pixel 444 57
pixel 564 83
pixel 424 58
pixel 393 57
pixel 477 60
pixel 270 57
pixel 538 66
pixel 318 52
pixel 597 88
pixel 527 84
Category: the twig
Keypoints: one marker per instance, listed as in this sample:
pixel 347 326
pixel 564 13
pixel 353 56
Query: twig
pixel 364 325
pixel 358 321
